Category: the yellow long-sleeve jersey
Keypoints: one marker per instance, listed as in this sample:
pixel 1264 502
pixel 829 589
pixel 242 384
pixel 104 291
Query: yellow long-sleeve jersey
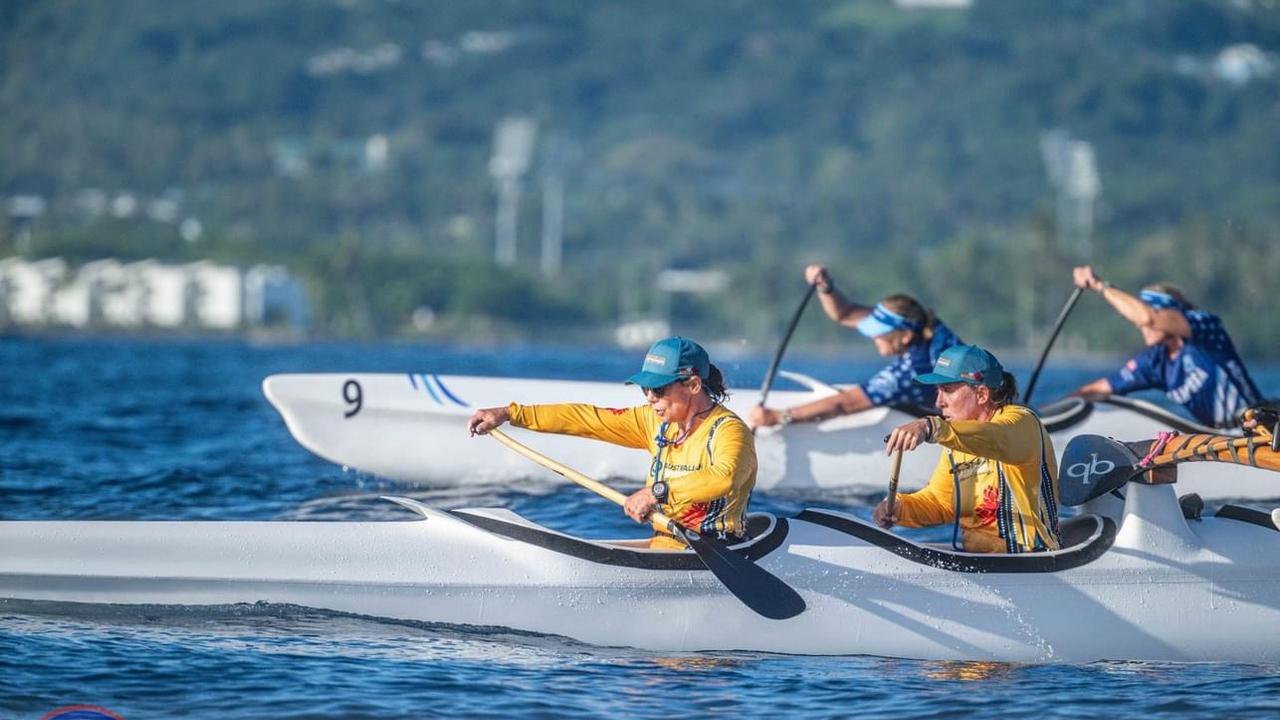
pixel 709 474
pixel 1003 475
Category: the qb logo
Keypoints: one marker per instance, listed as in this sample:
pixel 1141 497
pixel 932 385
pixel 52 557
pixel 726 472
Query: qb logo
pixel 1085 471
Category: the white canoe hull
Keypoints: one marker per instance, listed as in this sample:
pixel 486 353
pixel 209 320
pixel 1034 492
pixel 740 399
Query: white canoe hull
pixel 1158 588
pixel 412 427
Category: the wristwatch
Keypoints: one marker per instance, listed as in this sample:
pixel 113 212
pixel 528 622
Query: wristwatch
pixel 786 418
pixel 660 491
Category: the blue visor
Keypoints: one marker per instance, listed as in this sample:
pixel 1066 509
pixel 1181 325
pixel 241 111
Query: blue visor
pixel 883 320
pixel 1159 300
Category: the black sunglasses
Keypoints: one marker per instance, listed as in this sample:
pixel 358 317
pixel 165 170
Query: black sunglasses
pixel 661 390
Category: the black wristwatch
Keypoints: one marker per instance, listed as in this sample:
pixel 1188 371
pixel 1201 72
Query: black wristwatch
pixel 660 490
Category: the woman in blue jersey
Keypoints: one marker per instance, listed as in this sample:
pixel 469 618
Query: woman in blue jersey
pixel 1188 355
pixel 900 327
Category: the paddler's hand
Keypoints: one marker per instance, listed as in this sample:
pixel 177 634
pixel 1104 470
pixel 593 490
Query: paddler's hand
pixel 1085 278
pixel 817 275
pixel 487 419
pixel 761 416
pixel 880 516
pixel 640 505
pixel 908 436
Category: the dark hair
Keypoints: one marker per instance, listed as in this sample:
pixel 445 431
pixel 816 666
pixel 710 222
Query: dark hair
pixel 911 309
pixel 1007 393
pixel 713 383
pixel 1172 291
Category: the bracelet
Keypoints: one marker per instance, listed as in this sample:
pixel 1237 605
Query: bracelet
pixel 1103 287
pixel 786 418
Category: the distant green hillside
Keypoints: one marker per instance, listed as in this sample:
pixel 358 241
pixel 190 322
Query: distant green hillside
pixel 351 141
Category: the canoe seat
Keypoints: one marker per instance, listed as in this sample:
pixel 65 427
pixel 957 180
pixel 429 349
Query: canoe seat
pixel 767 534
pixel 758 525
pixel 1078 530
pixel 1064 413
pixel 1086 538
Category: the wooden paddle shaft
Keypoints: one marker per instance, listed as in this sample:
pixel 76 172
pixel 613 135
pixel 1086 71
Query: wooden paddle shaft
pixel 893 482
pixel 569 473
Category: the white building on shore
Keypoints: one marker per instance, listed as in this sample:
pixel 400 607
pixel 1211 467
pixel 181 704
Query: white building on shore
pixel 149 296
pixel 216 295
pixel 28 289
pixel 164 296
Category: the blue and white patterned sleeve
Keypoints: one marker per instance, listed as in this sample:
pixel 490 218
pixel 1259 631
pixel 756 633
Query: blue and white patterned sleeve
pixel 1140 373
pixel 893 385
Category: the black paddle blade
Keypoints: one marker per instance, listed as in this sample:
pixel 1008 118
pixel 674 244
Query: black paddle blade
pixel 756 587
pixel 1093 465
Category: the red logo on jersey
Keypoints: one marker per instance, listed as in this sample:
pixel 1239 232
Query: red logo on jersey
pixel 986 512
pixel 694 516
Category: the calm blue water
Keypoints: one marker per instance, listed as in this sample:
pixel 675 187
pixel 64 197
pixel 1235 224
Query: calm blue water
pixel 108 429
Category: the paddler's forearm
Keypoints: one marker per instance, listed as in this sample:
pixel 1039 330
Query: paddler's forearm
pixel 840 308
pixel 931 505
pixel 581 420
pixel 845 402
pixel 1004 438
pixel 1129 307
pixel 703 486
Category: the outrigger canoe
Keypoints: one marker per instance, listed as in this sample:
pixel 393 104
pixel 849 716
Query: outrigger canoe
pixel 409 427
pixel 1135 580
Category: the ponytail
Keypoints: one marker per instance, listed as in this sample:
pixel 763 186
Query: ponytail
pixel 713 383
pixel 1007 393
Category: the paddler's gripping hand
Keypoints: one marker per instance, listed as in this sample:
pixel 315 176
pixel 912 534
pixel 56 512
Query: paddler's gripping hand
pixel 817 275
pixel 640 505
pixel 908 436
pixel 1085 278
pixel 487 419
pixel 761 416
pixel 880 515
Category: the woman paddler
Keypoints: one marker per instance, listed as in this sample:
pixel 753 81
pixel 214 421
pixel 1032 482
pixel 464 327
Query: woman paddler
pixel 704 459
pixel 1188 354
pixel 900 327
pixel 997 480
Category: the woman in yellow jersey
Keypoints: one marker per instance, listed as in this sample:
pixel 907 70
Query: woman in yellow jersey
pixel 704 459
pixel 997 482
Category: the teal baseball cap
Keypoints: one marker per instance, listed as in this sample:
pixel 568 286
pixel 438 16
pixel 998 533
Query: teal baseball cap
pixel 967 364
pixel 671 359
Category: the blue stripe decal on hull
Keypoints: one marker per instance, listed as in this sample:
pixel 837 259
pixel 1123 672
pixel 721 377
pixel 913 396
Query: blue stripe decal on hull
pixel 446 392
pixel 426 384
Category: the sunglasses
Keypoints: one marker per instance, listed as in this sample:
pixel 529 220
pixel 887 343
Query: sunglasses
pixel 661 390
